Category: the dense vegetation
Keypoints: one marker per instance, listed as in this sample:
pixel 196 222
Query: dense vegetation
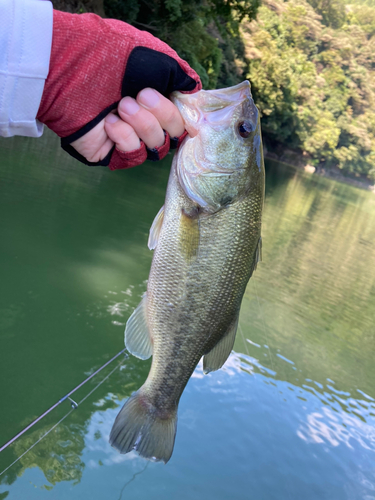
pixel 314 81
pixel 206 34
pixel 311 65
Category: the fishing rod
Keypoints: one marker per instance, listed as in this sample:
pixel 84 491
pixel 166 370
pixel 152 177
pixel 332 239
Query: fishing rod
pixel 72 402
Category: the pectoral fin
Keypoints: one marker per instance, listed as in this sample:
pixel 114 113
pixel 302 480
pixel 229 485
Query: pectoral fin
pixel 137 336
pixel 189 235
pixel 220 353
pixel 155 229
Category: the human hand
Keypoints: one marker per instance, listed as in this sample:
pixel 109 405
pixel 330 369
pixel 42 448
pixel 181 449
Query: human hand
pixel 96 63
pixel 142 119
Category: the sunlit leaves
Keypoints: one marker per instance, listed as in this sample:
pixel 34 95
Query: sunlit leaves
pixel 315 85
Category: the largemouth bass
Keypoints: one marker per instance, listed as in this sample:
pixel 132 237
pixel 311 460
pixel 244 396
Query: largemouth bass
pixel 207 242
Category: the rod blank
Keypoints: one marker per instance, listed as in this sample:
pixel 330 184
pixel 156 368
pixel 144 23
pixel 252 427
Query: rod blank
pixel 8 443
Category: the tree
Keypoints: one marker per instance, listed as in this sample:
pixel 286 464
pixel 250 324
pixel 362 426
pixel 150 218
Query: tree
pixel 315 85
pixel 206 34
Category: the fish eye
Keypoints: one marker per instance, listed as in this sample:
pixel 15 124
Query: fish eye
pixel 245 129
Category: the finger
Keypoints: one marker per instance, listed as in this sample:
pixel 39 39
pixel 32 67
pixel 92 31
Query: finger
pixel 164 111
pixel 121 133
pixel 144 123
pixel 95 144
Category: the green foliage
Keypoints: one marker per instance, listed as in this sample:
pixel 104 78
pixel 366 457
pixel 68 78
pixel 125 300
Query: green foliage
pixel 314 85
pixel 370 3
pixel 332 11
pixel 363 16
pixel 206 34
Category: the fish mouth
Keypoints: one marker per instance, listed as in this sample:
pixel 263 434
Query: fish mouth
pixel 228 95
pixel 210 106
pixel 215 98
pixel 237 93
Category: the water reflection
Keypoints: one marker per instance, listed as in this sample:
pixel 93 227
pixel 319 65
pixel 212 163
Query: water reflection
pixel 248 396
pixel 328 426
pixel 97 439
pixel 292 413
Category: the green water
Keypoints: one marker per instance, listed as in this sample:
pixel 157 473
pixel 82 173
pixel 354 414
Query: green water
pixel 290 416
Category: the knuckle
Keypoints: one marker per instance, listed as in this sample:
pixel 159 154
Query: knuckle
pixel 150 128
pixel 170 115
pixel 121 131
pixel 126 134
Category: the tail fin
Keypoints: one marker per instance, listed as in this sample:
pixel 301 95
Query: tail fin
pixel 139 427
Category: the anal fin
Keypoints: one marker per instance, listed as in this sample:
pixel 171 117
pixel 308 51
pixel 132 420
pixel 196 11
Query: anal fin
pixel 137 336
pixel 220 353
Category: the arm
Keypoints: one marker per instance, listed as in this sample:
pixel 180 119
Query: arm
pixel 94 64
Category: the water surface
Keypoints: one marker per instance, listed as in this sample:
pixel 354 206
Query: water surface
pixel 292 413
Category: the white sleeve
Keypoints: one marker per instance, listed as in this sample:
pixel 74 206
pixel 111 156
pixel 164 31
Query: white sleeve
pixel 25 49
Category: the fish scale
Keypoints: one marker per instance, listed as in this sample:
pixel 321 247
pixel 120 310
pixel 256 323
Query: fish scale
pixel 206 245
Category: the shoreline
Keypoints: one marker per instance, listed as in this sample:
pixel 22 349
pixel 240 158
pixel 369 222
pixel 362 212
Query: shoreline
pixel 297 160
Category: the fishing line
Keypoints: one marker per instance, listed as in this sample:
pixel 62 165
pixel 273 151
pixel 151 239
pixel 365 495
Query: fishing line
pixel 264 329
pixel 269 348
pixel 264 332
pixel 74 406
pixel 38 441
pixel 243 338
pixel 73 403
pixel 132 479
pixel 264 325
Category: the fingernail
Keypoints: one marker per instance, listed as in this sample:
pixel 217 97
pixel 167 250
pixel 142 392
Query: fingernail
pixel 149 98
pixel 111 118
pixel 129 106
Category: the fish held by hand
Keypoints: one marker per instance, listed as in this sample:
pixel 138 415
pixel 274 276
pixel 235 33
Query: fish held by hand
pixel 207 242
